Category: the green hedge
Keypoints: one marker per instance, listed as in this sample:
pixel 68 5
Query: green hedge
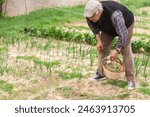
pixel 60 34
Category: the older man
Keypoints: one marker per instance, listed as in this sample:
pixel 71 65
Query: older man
pixel 108 19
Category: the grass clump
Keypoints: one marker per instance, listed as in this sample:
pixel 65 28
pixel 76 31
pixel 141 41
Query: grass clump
pixel 66 91
pixel 145 90
pixel 39 62
pixel 6 86
pixel 118 83
pixel 67 76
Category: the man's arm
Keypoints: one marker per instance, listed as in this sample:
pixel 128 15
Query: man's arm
pixel 99 42
pixel 98 37
pixel 121 29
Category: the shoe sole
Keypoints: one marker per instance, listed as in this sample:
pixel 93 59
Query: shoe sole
pixel 97 79
pixel 131 88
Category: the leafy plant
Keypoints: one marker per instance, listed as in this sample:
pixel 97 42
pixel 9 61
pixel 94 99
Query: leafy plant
pixel 137 45
pixel 147 47
pixel 60 34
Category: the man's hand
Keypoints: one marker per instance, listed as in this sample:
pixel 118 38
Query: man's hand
pixel 113 54
pixel 99 46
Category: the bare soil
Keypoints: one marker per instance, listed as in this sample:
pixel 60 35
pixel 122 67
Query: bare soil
pixel 30 83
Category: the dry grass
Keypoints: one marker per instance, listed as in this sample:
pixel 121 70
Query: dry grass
pixel 30 81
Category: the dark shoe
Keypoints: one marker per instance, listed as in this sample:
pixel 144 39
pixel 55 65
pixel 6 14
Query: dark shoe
pixel 98 77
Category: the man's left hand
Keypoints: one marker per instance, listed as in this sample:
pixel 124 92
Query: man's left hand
pixel 113 54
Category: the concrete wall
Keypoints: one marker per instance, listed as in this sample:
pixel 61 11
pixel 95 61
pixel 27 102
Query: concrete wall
pixel 18 7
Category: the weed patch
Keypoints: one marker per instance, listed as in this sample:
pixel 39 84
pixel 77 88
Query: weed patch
pixel 118 83
pixel 6 86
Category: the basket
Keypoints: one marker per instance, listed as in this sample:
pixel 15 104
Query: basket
pixel 113 75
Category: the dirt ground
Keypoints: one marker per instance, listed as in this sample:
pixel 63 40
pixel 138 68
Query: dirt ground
pixel 30 83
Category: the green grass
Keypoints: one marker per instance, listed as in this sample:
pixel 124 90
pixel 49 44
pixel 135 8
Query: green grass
pixel 34 90
pixel 46 17
pixel 6 86
pixel 141 35
pixel 26 57
pixel 118 83
pixel 119 96
pixel 79 28
pixel 67 76
pixel 66 91
pixel 144 13
pixel 145 90
pixel 4 68
pixel 3 55
pixel 142 59
pixel 69 92
pixel 144 84
pixel 10 26
pixel 39 62
pixel 137 4
pixel 142 26
pixel 3 49
pixel 133 5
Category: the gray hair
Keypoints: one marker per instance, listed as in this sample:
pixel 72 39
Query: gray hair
pixel 91 6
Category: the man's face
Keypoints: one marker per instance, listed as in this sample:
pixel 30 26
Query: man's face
pixel 96 16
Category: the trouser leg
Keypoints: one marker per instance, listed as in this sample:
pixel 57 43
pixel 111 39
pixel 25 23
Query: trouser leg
pixel 107 41
pixel 128 57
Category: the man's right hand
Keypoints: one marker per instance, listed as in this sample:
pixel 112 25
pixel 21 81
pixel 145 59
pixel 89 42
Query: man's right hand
pixel 99 46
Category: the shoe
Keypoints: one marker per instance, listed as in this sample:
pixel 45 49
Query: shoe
pixel 98 77
pixel 131 85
